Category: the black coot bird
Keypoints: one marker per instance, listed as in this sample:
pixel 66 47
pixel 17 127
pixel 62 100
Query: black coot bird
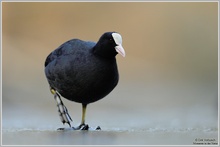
pixel 83 72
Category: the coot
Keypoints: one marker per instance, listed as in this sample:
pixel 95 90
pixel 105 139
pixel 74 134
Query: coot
pixel 83 72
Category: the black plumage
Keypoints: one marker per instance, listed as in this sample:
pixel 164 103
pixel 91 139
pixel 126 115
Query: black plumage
pixel 84 71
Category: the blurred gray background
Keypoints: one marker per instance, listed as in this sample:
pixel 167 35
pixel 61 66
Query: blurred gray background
pixel 168 79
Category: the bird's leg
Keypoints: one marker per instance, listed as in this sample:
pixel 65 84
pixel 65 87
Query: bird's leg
pixel 83 126
pixel 83 114
pixel 62 110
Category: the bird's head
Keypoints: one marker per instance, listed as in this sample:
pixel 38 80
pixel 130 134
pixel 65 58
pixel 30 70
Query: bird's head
pixel 109 45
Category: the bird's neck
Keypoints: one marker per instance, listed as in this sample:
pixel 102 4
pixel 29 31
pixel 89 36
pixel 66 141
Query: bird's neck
pixel 105 52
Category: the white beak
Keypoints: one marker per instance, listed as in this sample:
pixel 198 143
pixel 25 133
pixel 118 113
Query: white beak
pixel 118 40
pixel 120 50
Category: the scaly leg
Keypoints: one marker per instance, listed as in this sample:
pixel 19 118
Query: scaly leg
pixel 62 110
pixel 84 126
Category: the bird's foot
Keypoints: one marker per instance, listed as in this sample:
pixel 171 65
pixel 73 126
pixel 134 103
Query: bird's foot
pixel 62 110
pixel 82 127
pixel 85 127
pixel 98 128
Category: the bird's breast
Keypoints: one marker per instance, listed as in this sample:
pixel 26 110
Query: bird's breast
pixel 86 80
